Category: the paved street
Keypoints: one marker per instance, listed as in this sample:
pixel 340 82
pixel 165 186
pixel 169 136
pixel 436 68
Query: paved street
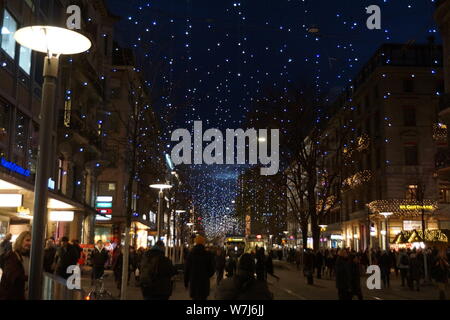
pixel 292 286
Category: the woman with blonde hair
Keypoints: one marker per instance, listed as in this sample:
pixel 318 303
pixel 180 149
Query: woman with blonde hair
pixel 16 267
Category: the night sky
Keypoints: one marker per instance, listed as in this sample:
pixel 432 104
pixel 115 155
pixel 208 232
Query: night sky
pixel 209 60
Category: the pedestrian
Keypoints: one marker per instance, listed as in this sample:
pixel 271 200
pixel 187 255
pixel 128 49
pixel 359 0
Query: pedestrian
pixel 280 254
pixel 308 266
pixel 385 268
pixel 16 268
pixel 220 265
pixel 156 274
pixel 132 262
pixel 117 266
pixel 343 276
pixel 49 256
pixel 99 257
pixel 414 272
pixel 244 285
pixel 440 272
pixel 298 258
pixel 355 269
pixel 403 266
pixel 319 263
pixel 67 255
pixel 230 266
pixel 76 245
pixel 329 262
pixel 260 268
pixel 6 245
pixel 198 270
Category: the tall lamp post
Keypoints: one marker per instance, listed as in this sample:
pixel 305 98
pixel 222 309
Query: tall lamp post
pixel 386 217
pixel 161 188
pixel 54 42
pixel 176 236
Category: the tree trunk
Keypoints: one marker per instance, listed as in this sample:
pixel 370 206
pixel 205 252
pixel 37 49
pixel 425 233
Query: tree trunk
pixel 315 229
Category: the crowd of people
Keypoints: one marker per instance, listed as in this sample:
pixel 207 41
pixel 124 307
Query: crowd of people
pixel 347 266
pixel 241 277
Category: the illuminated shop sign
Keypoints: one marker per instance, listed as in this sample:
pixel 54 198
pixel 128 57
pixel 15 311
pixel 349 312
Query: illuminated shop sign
pixel 416 207
pixel 104 205
pixel 14 167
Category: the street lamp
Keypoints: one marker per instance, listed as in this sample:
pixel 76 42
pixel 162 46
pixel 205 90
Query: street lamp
pixel 161 188
pixel 386 216
pixel 54 42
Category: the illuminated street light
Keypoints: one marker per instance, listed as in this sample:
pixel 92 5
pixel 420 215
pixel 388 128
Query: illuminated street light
pixel 52 41
pixel 161 188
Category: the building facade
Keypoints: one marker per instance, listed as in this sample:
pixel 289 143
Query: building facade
pixel 77 136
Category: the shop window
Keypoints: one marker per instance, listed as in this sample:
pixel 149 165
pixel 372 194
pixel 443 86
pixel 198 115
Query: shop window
pixel 9 27
pixel 411 156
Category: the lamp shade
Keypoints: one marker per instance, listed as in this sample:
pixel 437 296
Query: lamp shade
pixel 161 186
pixel 54 40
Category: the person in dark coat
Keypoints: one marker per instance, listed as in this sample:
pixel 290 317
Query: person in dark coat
pixel 355 268
pixel 220 265
pixel 280 254
pixel 76 244
pixel 156 274
pixel 244 286
pixel 440 272
pixel 67 255
pixel 49 256
pixel 415 271
pixel 198 270
pixel 319 263
pixel 16 266
pixel 5 245
pixel 343 276
pixel 308 266
pixel 230 265
pixel 385 263
pixel 99 257
pixel 260 268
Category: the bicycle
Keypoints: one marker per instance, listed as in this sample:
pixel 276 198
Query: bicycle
pixel 99 292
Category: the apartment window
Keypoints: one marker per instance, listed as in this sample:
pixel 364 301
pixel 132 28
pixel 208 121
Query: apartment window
pixel 411 192
pixel 409 116
pixel 408 85
pixel 107 189
pixel 25 59
pixel 9 27
pixel 444 195
pixel 411 156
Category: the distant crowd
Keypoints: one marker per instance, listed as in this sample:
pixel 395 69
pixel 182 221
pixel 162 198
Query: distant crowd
pixel 238 275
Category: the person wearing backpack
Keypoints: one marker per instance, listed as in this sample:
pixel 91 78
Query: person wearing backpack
pixel 403 266
pixel 244 285
pixel 156 274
